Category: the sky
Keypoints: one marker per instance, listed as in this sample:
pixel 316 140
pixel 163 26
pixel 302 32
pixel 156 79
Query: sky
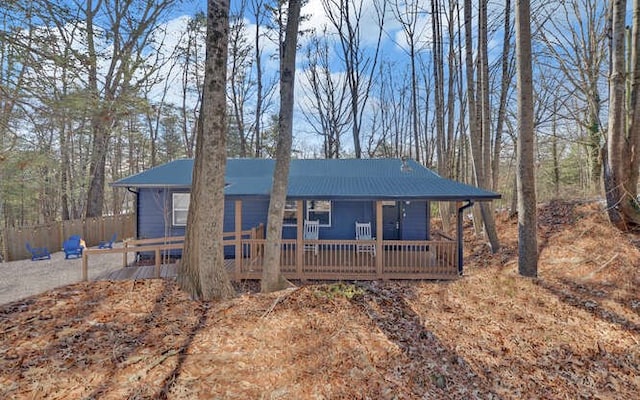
pixel 393 43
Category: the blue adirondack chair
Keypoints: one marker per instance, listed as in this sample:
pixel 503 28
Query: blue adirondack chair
pixel 72 247
pixel 38 253
pixel 107 244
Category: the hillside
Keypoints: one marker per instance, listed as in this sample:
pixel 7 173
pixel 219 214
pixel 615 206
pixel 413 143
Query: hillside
pixel 572 333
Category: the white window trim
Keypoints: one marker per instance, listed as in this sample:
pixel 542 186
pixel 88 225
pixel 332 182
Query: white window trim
pixel 174 209
pixel 330 211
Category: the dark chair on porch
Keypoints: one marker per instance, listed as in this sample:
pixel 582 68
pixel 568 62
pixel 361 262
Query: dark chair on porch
pixel 311 232
pixel 363 233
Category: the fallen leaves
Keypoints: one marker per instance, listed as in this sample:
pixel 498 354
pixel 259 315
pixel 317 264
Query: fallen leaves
pixel 572 333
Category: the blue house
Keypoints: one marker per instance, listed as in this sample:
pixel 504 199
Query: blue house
pixel 392 195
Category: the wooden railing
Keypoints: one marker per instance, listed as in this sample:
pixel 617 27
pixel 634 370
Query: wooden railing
pixel 317 259
pixel 340 259
pixel 159 247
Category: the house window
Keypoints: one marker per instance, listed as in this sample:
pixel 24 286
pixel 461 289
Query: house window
pixel 319 210
pixel 180 208
pixel 290 213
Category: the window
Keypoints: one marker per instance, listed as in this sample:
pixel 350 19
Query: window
pixel 180 208
pixel 290 213
pixel 319 210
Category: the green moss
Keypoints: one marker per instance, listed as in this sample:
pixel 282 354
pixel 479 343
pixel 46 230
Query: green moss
pixel 340 289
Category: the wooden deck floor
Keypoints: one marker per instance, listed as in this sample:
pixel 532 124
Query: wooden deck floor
pixel 169 271
pixel 133 272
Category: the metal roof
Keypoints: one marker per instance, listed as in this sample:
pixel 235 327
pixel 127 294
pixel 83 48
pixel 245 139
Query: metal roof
pixel 379 178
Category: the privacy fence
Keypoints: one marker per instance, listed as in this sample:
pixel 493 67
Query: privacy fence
pixel 92 230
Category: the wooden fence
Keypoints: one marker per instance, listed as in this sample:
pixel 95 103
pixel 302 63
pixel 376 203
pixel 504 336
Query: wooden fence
pixel 92 230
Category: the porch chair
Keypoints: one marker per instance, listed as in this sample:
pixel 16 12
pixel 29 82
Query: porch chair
pixel 107 244
pixel 38 253
pixel 311 232
pixel 72 247
pixel 363 232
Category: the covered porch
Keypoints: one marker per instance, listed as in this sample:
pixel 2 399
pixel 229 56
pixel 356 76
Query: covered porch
pixel 332 259
pixel 303 259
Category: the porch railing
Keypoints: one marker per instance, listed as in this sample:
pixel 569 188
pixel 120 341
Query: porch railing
pixel 340 259
pixel 318 259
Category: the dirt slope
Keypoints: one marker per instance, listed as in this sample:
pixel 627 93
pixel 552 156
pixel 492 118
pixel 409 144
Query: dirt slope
pixel 572 333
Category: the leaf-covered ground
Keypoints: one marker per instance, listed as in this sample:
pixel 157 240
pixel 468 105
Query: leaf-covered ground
pixel 572 333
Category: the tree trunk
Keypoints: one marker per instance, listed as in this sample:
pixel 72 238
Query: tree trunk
pixel 504 91
pixel 555 156
pixel 202 273
pixel 95 195
pixel 620 156
pixel 272 279
pixel 485 179
pixel 527 216
pixel 479 118
pixel 258 9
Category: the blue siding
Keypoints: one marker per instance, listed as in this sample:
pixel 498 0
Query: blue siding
pixel 254 212
pixel 154 209
pixel 414 220
pixel 344 215
pixel 155 218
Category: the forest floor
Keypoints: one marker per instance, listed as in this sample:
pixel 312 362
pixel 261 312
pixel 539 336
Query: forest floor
pixel 572 333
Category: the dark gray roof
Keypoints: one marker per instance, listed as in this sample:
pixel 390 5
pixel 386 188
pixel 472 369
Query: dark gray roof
pixel 380 178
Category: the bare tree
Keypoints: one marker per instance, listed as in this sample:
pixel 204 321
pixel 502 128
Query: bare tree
pixel 407 14
pixel 621 158
pixel 130 28
pixel 272 278
pixel 192 63
pixel 328 111
pixel 576 38
pixel 479 113
pixel 360 66
pixel 241 84
pixel 202 273
pixel 258 13
pixel 526 182
pixel 506 79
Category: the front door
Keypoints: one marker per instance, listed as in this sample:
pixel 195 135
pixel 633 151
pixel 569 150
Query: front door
pixel 390 221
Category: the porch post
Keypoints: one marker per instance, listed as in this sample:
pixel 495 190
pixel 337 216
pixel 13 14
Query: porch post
pixel 379 230
pixel 299 239
pixel 238 238
pixel 461 208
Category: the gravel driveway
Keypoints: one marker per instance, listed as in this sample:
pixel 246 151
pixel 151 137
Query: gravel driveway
pixel 24 278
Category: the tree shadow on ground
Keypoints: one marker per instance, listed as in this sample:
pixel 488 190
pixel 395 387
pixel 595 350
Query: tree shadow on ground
pixel 433 369
pixel 173 376
pixel 132 340
pixel 589 299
